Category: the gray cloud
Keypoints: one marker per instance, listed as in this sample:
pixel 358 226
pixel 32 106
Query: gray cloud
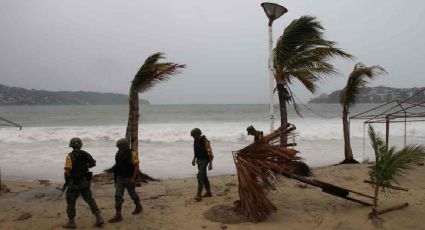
pixel 99 44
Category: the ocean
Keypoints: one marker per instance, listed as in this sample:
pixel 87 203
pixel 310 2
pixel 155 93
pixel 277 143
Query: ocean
pixel 38 150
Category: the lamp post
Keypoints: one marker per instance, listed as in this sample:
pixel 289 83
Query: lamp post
pixel 273 12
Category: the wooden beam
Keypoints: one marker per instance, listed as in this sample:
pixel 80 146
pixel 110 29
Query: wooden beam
pixel 389 186
pixel 349 190
pixel 383 211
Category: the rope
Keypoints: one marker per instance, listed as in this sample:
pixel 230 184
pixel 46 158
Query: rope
pixel 311 110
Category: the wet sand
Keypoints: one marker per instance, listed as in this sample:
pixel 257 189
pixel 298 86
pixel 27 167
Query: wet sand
pixel 169 205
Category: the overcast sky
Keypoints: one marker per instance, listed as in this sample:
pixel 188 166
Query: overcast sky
pixel 98 45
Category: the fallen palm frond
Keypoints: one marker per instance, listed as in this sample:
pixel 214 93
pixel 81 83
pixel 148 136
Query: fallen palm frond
pixel 258 166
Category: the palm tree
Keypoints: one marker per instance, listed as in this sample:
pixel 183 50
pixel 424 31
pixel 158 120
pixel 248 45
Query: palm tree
pixel 301 54
pixel 150 74
pixel 391 166
pixel 348 98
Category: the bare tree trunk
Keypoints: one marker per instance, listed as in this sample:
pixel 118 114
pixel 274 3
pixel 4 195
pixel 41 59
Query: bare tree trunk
pixel 349 159
pixel 283 94
pixel 133 120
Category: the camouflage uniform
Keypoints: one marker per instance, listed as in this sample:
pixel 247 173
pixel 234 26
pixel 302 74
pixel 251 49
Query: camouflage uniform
pixel 122 184
pixel 73 192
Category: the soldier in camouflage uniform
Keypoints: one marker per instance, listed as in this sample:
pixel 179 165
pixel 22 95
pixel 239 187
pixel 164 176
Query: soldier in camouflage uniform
pixel 78 176
pixel 126 171
pixel 203 157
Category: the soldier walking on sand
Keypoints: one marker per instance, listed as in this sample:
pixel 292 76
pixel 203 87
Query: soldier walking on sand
pixel 203 157
pixel 126 172
pixel 78 176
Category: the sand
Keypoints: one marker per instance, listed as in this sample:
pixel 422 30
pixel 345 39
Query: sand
pixel 169 205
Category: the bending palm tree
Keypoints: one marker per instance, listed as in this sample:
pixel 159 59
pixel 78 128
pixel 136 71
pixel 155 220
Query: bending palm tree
pixel 150 74
pixel 391 166
pixel 301 54
pixel 356 81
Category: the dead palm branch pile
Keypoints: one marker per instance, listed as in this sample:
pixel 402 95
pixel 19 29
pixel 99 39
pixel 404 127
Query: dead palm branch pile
pixel 258 166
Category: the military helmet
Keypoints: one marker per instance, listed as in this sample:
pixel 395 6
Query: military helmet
pixel 195 132
pixel 250 129
pixel 75 143
pixel 122 142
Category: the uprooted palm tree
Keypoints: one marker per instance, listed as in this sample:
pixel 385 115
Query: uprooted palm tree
pixel 302 54
pixel 348 98
pixel 150 74
pixel 391 165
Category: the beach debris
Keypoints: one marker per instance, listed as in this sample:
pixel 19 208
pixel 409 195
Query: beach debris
pixel 44 182
pixel 107 177
pixel 4 189
pixel 258 166
pixel 223 227
pixel 39 195
pixel 383 211
pixel 24 216
pixel 334 190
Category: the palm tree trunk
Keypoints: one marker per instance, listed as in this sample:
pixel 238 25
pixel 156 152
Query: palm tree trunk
pixel 349 159
pixel 133 120
pixel 283 94
pixel 375 202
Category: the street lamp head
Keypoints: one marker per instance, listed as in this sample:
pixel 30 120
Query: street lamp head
pixel 273 11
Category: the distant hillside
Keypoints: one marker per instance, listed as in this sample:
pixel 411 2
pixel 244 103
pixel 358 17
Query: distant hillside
pixel 21 96
pixel 378 94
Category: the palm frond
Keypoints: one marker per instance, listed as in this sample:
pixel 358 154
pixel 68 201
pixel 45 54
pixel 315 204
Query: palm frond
pixel 391 165
pixel 357 80
pixel 303 54
pixel 153 72
pixel 259 166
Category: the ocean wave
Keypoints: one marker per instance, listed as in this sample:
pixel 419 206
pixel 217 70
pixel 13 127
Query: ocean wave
pixel 223 132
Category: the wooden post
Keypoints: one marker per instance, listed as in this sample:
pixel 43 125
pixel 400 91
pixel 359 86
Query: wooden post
pixel 387 130
pixel 0 181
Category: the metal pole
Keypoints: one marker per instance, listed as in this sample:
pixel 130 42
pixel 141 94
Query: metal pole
pixel 387 131
pixel 405 129
pixel 271 79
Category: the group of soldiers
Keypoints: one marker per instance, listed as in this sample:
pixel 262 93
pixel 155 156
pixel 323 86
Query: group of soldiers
pixel 126 176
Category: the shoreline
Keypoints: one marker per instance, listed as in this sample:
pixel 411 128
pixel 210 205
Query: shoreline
pixel 168 204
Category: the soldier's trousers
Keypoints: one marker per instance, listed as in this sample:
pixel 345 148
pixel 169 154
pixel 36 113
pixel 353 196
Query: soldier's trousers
pixel 122 184
pixel 202 175
pixel 72 194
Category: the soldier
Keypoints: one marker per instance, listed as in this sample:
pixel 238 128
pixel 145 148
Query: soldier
pixel 203 157
pixel 126 172
pixel 252 131
pixel 78 176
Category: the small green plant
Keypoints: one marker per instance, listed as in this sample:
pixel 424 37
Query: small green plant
pixel 391 165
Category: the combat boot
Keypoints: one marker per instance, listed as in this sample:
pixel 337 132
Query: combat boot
pixel 198 197
pixel 207 194
pixel 138 209
pixel 99 221
pixel 117 217
pixel 70 224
